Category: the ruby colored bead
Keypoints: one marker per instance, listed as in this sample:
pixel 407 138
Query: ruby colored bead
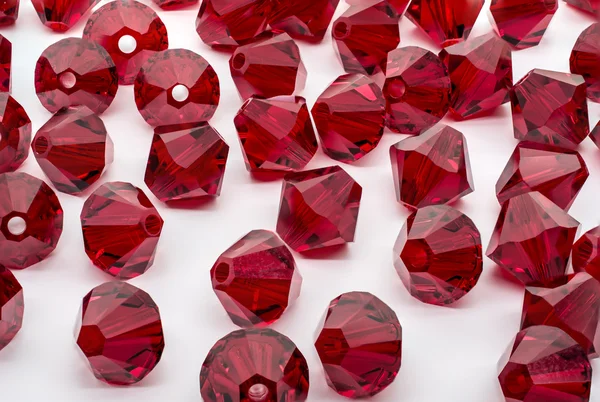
pixel 417 90
pixel 121 229
pixel 186 163
pixel 31 220
pixel 62 15
pixel 350 117
pixel 550 108
pixel 360 345
pixel 11 305
pixel 591 6
pixel 399 5
pixel 276 134
pixel 268 68
pixel 176 86
pixel 15 127
pixel 585 60
pixel 175 4
pixel 256 279
pixel 119 331
pixel 595 135
pixel 586 253
pixel 432 168
pixel 9 12
pixel 76 71
pixel 533 239
pixel 544 364
pixel 117 22
pixel 5 63
pixel 73 149
pixel 303 20
pixel 319 208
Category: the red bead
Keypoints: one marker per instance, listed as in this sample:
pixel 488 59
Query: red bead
pixel 121 229
pixel 276 134
pixel 522 23
pixel 76 71
pixel 15 127
pixel 586 253
pixel 122 21
pixel 175 4
pixel 62 15
pixel 9 12
pixel 364 35
pixel 595 135
pixel 438 255
pixel 591 6
pixel 176 86
pixel 417 90
pixel 303 20
pixel 5 63
pixel 254 365
pixel 350 116
pixel 186 163
pixel 550 108
pixel 119 331
pixel 360 345
pixel 256 279
pixel 268 68
pixel 532 240
pixel 399 5
pixel 544 364
pixel 319 208
pixel 73 149
pixel 31 220
pixel 585 60
pixel 557 173
pixel 12 307
pixel 432 168
pixel 481 73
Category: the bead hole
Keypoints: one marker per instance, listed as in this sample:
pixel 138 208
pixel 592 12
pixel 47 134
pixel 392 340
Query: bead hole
pixel 258 392
pixel 127 44
pixel 222 272
pixel 68 79
pixel 239 60
pixel 153 225
pixel 16 226
pixel 341 30
pixel 40 146
pixel 180 92
pixel 397 89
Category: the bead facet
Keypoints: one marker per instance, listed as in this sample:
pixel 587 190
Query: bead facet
pixel 5 63
pixel 15 127
pixel 586 253
pixel 585 59
pixel 12 306
pixel 303 20
pixel 62 15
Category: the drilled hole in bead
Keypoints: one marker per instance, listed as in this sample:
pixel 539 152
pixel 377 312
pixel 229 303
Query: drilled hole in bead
pixel 180 92
pixel 239 60
pixel 396 89
pixel 258 392
pixel 16 225
pixel 40 145
pixel 222 272
pixel 153 225
pixel 127 44
pixel 68 79
pixel 341 30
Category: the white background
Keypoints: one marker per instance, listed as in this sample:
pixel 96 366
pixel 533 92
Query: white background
pixel 450 354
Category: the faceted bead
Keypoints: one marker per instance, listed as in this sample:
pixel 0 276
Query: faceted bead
pixel 350 117
pixel 319 208
pixel 522 23
pixel 73 149
pixel 550 108
pixel 256 279
pixel 31 220
pixel 399 5
pixel 481 73
pixel 76 71
pixel 276 134
pixel 5 63
pixel 175 4
pixel 585 60
pixel 417 90
pixel 595 135
pixel 62 15
pixel 591 6
pixel 544 364
pixel 186 163
pixel 586 253
pixel 9 12
pixel 533 239
pixel 557 173
pixel 176 86
pixel 438 255
pixel 130 31
pixel 119 331
pixel 303 20
pixel 432 168
pixel 121 229
pixel 11 306
pixel 364 35
pixel 254 365
pixel 268 68
pixel 15 127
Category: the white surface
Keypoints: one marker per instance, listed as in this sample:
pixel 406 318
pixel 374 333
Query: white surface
pixel 450 354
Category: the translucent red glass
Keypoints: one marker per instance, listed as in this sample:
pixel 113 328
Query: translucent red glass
pixel 62 15
pixel 585 59
pixel 303 20
pixel 15 129
pixel 12 306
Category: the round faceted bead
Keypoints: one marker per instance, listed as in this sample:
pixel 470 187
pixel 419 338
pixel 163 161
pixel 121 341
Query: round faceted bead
pixel 175 4
pixel 417 90
pixel 267 68
pixel 15 134
pixel 585 60
pixel 119 330
pixel 121 229
pixel 586 253
pixel 76 71
pixel 254 365
pixel 307 21
pixel 176 86
pixel 591 6
pixel 5 63
pixel 256 279
pixel 73 149
pixel 11 306
pixel 186 163
pixel 432 168
pixel 360 345
pixel 276 134
pixel 350 117
pixel 130 31
pixel 545 364
pixel 319 208
pixel 9 12
pixel 62 15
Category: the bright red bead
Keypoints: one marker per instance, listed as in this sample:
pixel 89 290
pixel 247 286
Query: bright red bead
pixel 186 163
pixel 76 71
pixel 254 365
pixel 121 229
pixel 533 239
pixel 11 307
pixel 9 12
pixel 399 5
pixel 585 60
pixel 586 253
pixel 119 331
pixel 350 117
pixel 360 345
pixel 62 15
pixel 15 127
pixel 5 63
pixel 417 90
pixel 31 220
pixel 276 134
pixel 176 86
pixel 591 6
pixel 319 208
pixel 303 20
pixel 175 4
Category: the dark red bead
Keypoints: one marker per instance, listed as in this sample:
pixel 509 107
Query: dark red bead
pixel 9 12
pixel 175 4
pixel 15 127
pixel 303 20
pixel 591 6
pixel 585 59
pixel 595 135
pixel 5 63
pixel 12 306
pixel 586 253
pixel 62 15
